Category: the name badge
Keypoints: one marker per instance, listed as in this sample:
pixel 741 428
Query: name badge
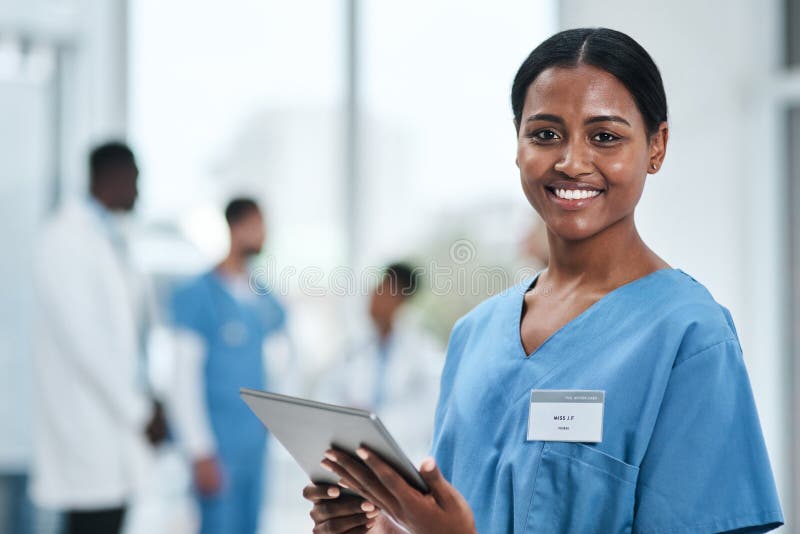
pixel 566 415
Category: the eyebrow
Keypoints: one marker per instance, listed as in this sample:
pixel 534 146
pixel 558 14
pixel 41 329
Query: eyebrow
pixel 590 120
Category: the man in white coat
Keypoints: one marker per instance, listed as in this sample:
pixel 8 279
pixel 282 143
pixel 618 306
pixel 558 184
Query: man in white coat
pixel 92 413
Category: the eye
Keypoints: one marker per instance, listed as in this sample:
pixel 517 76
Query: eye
pixel 605 137
pixel 543 136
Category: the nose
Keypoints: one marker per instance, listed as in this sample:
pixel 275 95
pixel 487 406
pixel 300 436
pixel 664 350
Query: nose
pixel 575 160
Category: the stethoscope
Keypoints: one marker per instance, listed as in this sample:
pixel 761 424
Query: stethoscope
pixel 233 332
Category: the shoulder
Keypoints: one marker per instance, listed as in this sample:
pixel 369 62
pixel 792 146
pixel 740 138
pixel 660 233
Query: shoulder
pixel 65 221
pixel 690 311
pixel 69 235
pixel 187 293
pixel 274 312
pixel 270 300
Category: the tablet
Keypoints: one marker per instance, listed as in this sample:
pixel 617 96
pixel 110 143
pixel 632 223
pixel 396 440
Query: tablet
pixel 308 428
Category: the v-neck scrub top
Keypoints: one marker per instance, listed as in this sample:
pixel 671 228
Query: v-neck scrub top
pixel 682 448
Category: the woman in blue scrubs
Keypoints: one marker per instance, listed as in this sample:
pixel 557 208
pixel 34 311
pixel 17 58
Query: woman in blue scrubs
pixel 645 421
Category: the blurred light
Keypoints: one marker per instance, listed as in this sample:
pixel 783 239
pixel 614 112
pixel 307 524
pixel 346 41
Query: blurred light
pixel 207 230
pixel 10 57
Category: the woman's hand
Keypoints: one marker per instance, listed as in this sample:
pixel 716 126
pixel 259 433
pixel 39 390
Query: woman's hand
pixel 444 509
pixel 335 513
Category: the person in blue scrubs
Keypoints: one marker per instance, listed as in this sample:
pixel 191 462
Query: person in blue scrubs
pixel 676 446
pixel 221 325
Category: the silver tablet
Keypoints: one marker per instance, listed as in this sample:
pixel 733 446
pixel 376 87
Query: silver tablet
pixel 308 428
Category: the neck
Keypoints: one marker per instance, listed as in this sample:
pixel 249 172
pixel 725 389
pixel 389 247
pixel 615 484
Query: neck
pixel 606 260
pixel 383 327
pixel 384 331
pixel 101 199
pixel 234 263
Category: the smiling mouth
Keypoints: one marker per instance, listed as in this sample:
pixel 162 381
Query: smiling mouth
pixel 575 197
pixel 574 194
pixel 566 193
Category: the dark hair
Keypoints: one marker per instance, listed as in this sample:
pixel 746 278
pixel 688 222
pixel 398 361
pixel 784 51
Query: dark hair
pixel 239 209
pixel 109 156
pixel 609 50
pixel 402 279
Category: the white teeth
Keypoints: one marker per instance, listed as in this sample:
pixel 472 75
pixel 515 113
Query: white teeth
pixel 573 194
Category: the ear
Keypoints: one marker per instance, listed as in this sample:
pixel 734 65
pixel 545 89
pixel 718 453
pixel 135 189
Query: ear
pixel 658 148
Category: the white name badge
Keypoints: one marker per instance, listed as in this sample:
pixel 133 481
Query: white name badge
pixel 566 415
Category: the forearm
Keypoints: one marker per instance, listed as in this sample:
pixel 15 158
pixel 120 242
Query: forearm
pixel 188 403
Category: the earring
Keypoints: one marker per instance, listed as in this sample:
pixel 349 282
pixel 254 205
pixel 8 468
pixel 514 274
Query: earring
pixel 654 166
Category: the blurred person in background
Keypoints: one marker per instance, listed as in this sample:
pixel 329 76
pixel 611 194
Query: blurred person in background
pixel 92 410
pixel 222 326
pixel 16 510
pixel 394 370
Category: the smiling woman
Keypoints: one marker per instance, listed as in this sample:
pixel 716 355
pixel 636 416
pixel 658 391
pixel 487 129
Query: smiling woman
pixel 646 366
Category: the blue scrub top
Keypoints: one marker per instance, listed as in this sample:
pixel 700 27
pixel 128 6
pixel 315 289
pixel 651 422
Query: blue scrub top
pixel 233 331
pixel 682 447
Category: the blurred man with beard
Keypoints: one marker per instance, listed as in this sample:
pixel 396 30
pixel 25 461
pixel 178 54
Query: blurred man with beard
pixel 221 325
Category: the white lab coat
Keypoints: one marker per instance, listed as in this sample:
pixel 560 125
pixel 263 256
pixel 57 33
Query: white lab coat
pixel 411 387
pixel 91 408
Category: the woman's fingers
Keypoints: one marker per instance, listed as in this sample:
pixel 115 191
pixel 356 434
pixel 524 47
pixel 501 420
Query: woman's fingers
pixel 349 482
pixel 341 525
pixel 320 492
pixel 358 530
pixel 363 477
pixel 388 476
pixel 344 506
pixel 337 513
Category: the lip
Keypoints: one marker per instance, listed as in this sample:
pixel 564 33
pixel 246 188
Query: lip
pixel 572 204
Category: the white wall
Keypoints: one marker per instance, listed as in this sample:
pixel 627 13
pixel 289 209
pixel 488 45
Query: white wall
pixel 94 85
pixel 23 190
pixel 43 107
pixel 716 208
pixel 91 38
